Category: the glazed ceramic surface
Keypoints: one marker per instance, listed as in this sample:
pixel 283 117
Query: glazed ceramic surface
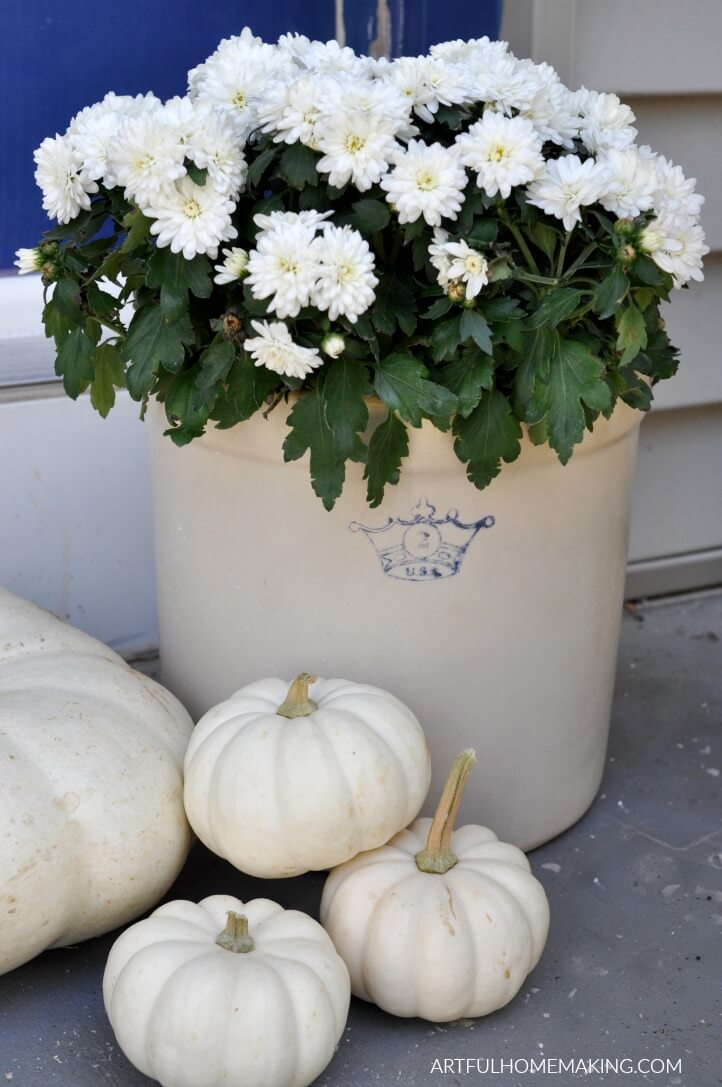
pixel 493 614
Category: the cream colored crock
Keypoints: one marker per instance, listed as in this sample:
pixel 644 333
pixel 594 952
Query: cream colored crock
pixel 494 614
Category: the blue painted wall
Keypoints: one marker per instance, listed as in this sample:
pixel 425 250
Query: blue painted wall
pixel 57 56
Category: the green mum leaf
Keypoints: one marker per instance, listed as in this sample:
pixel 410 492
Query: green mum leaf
pixel 491 434
pixel 186 415
pixel 467 376
pixel 445 338
pixel 216 362
pixel 370 216
pixel 555 306
pixel 154 340
pixel 402 384
pixel 388 446
pixel 474 327
pixel 108 374
pixel 610 292
pixel 176 276
pixel 344 389
pixel 73 362
pixel 631 334
pixel 575 379
pixel 537 349
pixel 246 389
pixel 298 166
pixel 310 431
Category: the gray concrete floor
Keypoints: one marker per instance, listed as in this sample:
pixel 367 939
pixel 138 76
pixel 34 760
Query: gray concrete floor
pixel 633 964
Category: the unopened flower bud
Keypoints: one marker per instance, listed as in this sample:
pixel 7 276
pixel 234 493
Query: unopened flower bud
pixel 456 291
pixel 333 345
pixel 232 324
pixel 627 254
pixel 48 273
pixel 623 227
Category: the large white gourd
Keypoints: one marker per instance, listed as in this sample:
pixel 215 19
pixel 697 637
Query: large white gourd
pixel 225 993
pixel 92 827
pixel 437 924
pixel 283 780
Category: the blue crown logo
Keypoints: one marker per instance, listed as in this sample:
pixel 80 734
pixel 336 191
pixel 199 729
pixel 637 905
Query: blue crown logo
pixel 423 547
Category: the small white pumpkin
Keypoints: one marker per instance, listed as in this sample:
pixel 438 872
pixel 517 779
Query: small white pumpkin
pixel 225 993
pixel 437 924
pixel 92 826
pixel 280 783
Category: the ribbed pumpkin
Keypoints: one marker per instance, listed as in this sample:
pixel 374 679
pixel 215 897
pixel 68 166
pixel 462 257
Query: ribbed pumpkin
pixel 92 827
pixel 286 778
pixel 437 924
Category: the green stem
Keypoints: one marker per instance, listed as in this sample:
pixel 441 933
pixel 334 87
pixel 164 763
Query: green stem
pixel 235 935
pixel 438 857
pixel 297 703
pixel 519 237
pixel 580 259
pixel 528 278
pixel 563 253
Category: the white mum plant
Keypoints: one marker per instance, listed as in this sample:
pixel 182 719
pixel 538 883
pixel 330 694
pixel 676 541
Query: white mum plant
pixel 459 233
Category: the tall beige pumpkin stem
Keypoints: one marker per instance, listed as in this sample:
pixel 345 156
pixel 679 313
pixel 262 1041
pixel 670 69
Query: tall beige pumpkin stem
pixel 297 703
pixel 438 857
pixel 235 936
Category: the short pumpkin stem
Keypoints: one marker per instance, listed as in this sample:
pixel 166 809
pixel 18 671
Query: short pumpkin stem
pixel 438 858
pixel 297 703
pixel 235 936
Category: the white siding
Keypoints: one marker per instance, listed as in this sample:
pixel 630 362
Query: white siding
pixel 663 57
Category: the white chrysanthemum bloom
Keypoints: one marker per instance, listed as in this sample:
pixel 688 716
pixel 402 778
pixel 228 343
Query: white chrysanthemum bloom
pixel 28 260
pixel 333 345
pixel 553 109
pixel 273 348
pixel 480 50
pixel 295 44
pixel 428 83
pixel 92 131
pixel 605 121
pixel 146 156
pixel 357 148
pixel 66 190
pixel 127 105
pixel 92 138
pixel 232 267
pixel 675 193
pixel 309 218
pixel 381 99
pixel 235 78
pixel 184 116
pixel 345 273
pixel 504 152
pixel 227 47
pixel 332 58
pixel 282 267
pixel 677 245
pixel 426 180
pixel 631 182
pixel 191 218
pixel 566 186
pixel 292 110
pixel 457 262
pixel 215 148
pixel 503 80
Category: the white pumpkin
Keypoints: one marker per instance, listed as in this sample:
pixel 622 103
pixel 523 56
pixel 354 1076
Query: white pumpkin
pixel 279 782
pixel 437 924
pixel 92 827
pixel 225 993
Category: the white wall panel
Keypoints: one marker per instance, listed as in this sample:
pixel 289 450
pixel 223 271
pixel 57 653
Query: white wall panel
pixel 75 515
